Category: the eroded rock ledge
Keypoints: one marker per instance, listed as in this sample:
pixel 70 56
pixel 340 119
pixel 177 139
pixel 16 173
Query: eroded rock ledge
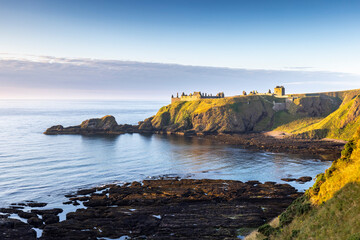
pixel 169 209
pixel 104 125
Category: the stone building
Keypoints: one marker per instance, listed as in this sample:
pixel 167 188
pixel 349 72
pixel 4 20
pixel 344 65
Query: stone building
pixel 195 96
pixel 279 90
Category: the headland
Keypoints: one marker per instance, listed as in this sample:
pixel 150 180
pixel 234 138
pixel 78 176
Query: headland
pixel 219 209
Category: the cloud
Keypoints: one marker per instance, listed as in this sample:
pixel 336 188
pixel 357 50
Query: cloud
pixel 52 77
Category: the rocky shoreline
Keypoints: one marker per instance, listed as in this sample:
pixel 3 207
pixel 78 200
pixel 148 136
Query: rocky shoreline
pixel 155 209
pixel 322 149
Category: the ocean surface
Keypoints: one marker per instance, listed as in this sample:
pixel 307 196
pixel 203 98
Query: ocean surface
pixel 34 166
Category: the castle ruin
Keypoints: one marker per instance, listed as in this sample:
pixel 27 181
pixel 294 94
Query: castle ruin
pixel 195 96
pixel 279 90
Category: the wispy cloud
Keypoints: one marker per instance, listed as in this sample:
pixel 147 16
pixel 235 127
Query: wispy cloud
pixel 46 76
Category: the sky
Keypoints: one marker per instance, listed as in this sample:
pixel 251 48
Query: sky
pixel 140 49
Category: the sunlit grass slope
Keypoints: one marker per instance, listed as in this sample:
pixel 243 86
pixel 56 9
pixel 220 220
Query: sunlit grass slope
pixel 328 210
pixel 338 218
pixel 340 124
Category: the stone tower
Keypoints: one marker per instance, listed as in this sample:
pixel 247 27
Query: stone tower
pixel 279 90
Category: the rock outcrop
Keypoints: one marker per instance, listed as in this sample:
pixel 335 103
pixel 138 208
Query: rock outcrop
pixel 104 125
pixel 166 208
pixel 173 209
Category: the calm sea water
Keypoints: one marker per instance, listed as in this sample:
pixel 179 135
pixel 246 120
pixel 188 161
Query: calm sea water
pixel 34 166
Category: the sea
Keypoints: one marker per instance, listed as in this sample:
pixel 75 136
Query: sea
pixel 43 168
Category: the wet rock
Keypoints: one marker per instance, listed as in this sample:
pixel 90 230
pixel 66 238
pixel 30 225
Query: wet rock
pixel 288 179
pixel 4 215
pixel 70 195
pixel 35 221
pixel 36 204
pixel 304 179
pixel 86 191
pixel 50 218
pixel 325 150
pixel 27 215
pixel 174 209
pixel 54 211
pixel 11 229
pixel 10 210
pixel 16 207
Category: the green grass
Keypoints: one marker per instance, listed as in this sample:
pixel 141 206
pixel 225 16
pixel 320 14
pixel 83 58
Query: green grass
pixel 341 124
pixel 330 209
pixel 338 218
pixel 298 125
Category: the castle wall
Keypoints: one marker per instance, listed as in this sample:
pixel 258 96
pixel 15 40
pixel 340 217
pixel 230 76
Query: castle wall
pixel 174 100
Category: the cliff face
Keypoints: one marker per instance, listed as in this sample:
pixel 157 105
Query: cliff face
pixel 237 114
pixel 340 124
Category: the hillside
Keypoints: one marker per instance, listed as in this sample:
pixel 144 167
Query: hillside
pixel 237 114
pixel 341 124
pixel 328 210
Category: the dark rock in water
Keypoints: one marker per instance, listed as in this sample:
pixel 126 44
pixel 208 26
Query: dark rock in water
pixel 288 179
pixel 104 125
pixel 86 191
pixel 304 179
pixel 50 218
pixel 27 215
pixel 11 229
pixel 4 215
pixel 174 209
pixel 35 204
pixel 54 211
pixel 35 221
pixel 16 207
pixel 10 210
pixel 67 202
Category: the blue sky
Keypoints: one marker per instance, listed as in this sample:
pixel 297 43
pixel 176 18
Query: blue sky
pixel 286 36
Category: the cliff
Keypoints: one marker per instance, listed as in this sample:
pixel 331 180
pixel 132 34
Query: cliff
pixel 238 114
pixel 341 124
